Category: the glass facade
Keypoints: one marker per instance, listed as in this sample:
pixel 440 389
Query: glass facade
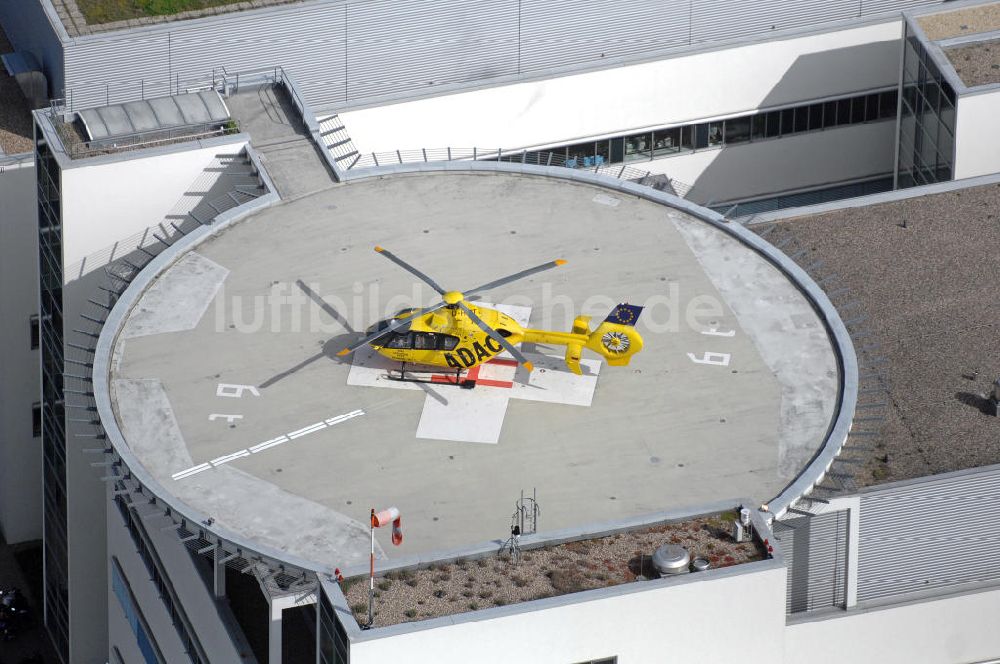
pixel 53 412
pixel 334 646
pixel 157 576
pixel 927 120
pixel 122 590
pixel 766 125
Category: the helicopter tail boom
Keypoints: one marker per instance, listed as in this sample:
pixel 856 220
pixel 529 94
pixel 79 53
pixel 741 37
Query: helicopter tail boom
pixel 616 338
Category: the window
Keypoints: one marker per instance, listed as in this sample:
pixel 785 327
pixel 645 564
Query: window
pixel 844 112
pixel 871 108
pixel 857 110
pixel 638 146
pixel 447 342
pixel 737 130
pixel 402 340
pixel 121 589
pixel 802 119
pixel 932 93
pixel 772 124
pixel 33 326
pixel 687 138
pixel 666 141
pixel 787 121
pixel 424 341
pixel 602 152
pixel 333 641
pixel 36 419
pixel 701 136
pixel 579 153
pixel 617 151
pixel 715 133
pixel 816 117
pixel 829 114
pixel 927 95
pixel 430 341
pixel 887 102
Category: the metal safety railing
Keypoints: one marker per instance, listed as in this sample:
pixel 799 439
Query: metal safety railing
pixel 149 139
pixel 592 164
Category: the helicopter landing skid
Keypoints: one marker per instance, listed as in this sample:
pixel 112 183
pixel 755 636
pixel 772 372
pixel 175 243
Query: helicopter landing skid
pixel 435 377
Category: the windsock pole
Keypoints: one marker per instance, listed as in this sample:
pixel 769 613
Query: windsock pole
pixel 371 575
pixel 379 519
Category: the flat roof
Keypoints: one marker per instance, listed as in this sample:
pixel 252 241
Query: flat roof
pixel 15 113
pixel 923 271
pixel 109 15
pixel 450 587
pixel 227 388
pixel 961 22
pixel 977 63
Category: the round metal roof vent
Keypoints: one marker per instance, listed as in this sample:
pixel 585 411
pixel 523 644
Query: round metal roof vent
pixel 671 559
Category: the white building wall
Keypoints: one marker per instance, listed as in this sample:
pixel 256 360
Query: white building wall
pixel 656 94
pixel 725 620
pixel 785 164
pixel 106 201
pixel 977 140
pixel 956 630
pixel 20 452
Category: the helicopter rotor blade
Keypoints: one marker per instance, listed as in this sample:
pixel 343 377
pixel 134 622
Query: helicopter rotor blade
pixel 388 329
pixel 497 337
pixel 514 277
pixel 409 268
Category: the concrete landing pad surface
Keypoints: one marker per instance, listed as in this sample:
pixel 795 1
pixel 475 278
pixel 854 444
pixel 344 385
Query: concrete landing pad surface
pixel 711 407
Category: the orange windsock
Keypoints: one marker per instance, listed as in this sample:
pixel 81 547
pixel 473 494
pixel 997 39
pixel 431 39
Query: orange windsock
pixel 384 518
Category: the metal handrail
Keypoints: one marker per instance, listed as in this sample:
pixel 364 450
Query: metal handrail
pixel 529 157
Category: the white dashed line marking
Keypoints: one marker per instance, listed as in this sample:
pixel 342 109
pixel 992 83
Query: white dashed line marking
pixel 191 471
pixel 307 430
pixel 267 444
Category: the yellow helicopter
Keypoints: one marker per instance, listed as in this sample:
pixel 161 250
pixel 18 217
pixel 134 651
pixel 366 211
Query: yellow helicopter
pixel 461 335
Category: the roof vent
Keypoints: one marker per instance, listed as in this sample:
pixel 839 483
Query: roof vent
pixel 671 559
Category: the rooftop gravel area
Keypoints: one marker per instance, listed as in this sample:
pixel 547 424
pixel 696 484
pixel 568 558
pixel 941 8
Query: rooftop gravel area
pixel 977 64
pixel 925 271
pixel 981 18
pixel 15 115
pixel 411 595
pixel 81 17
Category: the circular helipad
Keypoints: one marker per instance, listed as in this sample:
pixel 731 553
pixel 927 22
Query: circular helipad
pixel 228 390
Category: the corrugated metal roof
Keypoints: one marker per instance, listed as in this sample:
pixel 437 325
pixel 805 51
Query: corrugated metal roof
pixel 396 45
pixel 815 550
pixel 153 114
pixel 348 51
pixel 929 535
pixel 566 32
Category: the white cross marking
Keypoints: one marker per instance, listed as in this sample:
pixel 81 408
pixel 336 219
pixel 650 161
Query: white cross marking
pixel 477 415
